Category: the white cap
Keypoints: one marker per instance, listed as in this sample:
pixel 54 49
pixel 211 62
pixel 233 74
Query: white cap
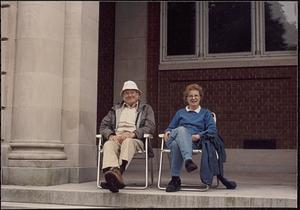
pixel 130 85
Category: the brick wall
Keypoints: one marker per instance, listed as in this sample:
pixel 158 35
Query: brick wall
pixel 106 59
pixel 258 103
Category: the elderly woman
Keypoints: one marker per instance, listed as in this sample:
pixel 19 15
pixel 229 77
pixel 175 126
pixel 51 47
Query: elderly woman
pixel 185 131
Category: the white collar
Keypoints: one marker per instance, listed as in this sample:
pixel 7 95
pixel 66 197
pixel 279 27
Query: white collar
pixel 196 110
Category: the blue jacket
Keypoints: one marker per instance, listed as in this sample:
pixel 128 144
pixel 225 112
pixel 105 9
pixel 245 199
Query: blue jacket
pixel 213 157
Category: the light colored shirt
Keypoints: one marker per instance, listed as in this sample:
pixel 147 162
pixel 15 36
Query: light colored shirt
pixel 190 110
pixel 127 118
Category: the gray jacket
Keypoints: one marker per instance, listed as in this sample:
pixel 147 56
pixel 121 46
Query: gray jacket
pixel 145 122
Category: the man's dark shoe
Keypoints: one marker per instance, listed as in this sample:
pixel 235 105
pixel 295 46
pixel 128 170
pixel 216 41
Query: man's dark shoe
pixel 105 185
pixel 190 165
pixel 114 179
pixel 113 188
pixel 174 185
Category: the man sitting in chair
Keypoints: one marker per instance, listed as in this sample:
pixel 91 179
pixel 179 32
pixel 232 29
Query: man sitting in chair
pixel 123 129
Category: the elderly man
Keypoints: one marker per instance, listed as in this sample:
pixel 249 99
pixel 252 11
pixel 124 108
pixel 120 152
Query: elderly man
pixel 123 129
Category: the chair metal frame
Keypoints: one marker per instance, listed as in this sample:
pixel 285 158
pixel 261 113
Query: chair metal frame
pixel 164 150
pixel 147 141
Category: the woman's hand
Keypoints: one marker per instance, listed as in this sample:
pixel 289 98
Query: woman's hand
pixel 166 136
pixel 196 137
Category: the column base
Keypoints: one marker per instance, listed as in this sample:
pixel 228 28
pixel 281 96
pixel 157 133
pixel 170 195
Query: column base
pixel 47 176
pixel 83 174
pixel 35 176
pixel 37 151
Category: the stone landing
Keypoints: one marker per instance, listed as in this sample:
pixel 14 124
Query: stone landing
pixel 254 190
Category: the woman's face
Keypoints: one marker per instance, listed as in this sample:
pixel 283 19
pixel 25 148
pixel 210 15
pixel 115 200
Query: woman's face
pixel 193 98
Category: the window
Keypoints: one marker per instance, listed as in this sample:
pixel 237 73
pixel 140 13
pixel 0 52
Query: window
pixel 181 28
pixel 211 34
pixel 229 27
pixel 281 28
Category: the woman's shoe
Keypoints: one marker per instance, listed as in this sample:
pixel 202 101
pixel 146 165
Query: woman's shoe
pixel 190 165
pixel 174 185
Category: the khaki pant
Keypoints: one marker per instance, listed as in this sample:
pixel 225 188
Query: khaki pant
pixel 114 153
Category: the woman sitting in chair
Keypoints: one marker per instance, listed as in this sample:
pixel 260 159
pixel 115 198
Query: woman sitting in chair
pixel 184 133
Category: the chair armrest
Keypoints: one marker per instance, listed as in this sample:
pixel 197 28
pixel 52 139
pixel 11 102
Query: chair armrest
pixel 99 136
pixel 147 135
pixel 161 135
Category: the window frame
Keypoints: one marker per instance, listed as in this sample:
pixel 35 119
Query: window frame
pixel 164 35
pixel 208 55
pixel 262 29
pixel 203 60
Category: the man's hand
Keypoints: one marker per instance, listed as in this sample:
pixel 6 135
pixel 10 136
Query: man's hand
pixel 166 136
pixel 117 138
pixel 128 134
pixel 121 137
pixel 112 138
pixel 196 137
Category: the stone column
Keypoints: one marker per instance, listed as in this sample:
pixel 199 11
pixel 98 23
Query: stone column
pixel 37 102
pixel 80 88
pixel 8 32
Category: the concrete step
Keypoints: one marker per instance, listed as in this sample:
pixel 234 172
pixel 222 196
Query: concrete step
pixel 18 205
pixel 247 194
pixel 266 179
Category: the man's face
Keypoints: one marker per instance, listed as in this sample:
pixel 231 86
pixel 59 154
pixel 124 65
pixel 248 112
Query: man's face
pixel 131 96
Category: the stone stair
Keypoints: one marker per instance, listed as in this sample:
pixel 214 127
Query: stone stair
pixel 18 205
pixel 258 186
pixel 254 190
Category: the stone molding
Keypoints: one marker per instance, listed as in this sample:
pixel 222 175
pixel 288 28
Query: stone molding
pixel 37 151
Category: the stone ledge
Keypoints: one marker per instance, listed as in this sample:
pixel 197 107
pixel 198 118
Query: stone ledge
pixel 35 176
pixel 87 194
pixel 47 176
pixel 18 205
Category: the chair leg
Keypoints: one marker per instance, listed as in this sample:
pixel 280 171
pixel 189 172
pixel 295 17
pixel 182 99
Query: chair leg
pixel 147 171
pixel 160 171
pixel 151 160
pixel 195 189
pixel 182 188
pixel 128 187
pixel 146 178
pixel 99 169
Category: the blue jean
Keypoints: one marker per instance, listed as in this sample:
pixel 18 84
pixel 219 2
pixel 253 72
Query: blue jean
pixel 181 146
